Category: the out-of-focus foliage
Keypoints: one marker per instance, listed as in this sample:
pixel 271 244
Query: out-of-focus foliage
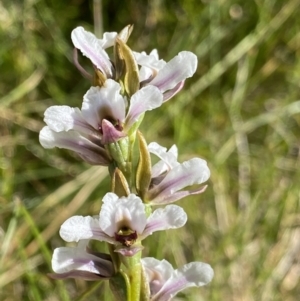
pixel 240 112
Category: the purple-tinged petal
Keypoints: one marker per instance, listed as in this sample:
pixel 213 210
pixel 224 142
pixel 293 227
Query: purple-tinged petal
pixel 146 99
pixel 178 69
pixel 170 93
pixel 103 103
pixel 117 213
pixel 92 48
pixel 182 194
pixel 190 275
pixel 82 227
pixel 170 217
pixel 110 133
pixel 66 259
pixel 129 251
pixel 87 276
pixel 72 140
pixel 194 171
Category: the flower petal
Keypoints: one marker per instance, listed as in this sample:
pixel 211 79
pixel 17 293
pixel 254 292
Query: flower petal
pixel 72 140
pixel 108 39
pixel 119 212
pixel 178 69
pixel 92 48
pixel 170 93
pixel 168 158
pixel 128 251
pixel 110 133
pixel 182 194
pixel 87 276
pixel 170 217
pixel 65 118
pixel 149 60
pixel 103 103
pixel 194 171
pixel 158 272
pixel 145 99
pixel 192 274
pixel 79 227
pixel 66 259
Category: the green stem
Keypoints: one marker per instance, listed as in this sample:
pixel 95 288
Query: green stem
pixel 134 274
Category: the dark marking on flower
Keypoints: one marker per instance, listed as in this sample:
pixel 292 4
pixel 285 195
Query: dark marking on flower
pixel 126 237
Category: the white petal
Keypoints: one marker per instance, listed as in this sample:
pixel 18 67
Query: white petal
pixel 146 99
pixel 161 152
pixel 65 118
pixel 149 60
pixel 162 267
pixel 108 40
pixel 170 217
pixel 168 158
pixel 158 272
pixel 196 273
pixel 178 69
pixel 92 48
pixel 192 274
pixel 122 212
pixel 103 103
pixel 194 171
pixel 146 74
pixel 81 227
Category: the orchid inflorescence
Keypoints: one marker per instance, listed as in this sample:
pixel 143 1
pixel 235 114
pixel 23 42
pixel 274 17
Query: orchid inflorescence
pixel 103 132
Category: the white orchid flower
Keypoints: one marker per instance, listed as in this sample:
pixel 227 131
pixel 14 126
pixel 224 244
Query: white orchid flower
pixel 169 177
pixel 168 77
pixel 102 119
pixel 122 222
pixel 165 282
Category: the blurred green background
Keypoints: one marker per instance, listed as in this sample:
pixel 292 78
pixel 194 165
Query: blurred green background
pixel 240 112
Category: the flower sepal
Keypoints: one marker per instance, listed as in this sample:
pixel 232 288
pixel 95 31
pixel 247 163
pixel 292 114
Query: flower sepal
pixel 123 35
pixel 99 78
pixel 145 287
pixel 126 59
pixel 119 183
pixel 143 173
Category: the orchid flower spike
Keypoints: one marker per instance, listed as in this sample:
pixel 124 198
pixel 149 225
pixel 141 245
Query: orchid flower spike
pixel 165 282
pixel 101 120
pixel 122 222
pixel 169 177
pixel 168 77
pixel 81 262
